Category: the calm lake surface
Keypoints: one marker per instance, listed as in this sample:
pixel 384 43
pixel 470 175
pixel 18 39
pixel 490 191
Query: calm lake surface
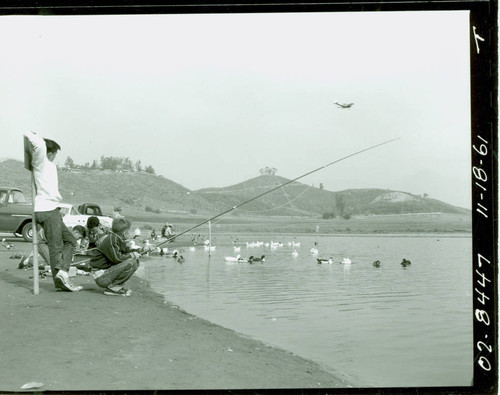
pixel 381 327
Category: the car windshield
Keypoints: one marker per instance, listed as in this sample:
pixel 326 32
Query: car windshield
pixel 16 197
pixel 64 210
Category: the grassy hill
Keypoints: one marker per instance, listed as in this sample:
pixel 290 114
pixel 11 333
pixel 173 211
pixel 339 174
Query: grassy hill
pixel 300 199
pixel 140 194
pixel 133 191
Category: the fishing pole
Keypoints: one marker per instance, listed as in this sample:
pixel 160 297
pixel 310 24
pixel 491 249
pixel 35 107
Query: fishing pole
pixel 271 190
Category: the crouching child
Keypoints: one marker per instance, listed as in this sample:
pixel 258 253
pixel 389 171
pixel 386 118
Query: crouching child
pixel 113 263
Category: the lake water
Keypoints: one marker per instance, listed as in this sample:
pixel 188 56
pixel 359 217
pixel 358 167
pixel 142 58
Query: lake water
pixel 382 327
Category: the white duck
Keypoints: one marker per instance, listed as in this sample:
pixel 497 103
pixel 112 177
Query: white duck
pixel 148 246
pixel 7 244
pixel 233 258
pixel 133 246
pixel 346 261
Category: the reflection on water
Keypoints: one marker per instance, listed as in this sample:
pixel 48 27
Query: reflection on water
pixel 386 326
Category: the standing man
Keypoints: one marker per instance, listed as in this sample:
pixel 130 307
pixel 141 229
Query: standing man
pixel 60 240
pixel 166 231
pixel 117 213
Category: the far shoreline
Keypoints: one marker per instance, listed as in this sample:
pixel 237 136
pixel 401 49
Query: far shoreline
pixel 407 224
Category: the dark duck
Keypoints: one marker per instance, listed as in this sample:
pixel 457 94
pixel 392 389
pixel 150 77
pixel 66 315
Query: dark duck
pixel 253 259
pixel 405 262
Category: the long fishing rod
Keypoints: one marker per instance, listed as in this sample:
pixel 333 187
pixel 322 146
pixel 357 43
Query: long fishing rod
pixel 271 190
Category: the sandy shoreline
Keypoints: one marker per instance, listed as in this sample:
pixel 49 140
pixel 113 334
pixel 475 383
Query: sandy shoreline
pixel 88 341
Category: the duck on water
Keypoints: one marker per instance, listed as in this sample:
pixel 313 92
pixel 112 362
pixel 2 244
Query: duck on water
pixel 253 259
pixel 405 262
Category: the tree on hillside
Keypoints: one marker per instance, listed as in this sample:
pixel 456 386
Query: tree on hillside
pixel 114 164
pixel 108 163
pixel 321 185
pixel 127 164
pixel 94 165
pixel 268 171
pixel 149 169
pixel 69 163
pixel 138 166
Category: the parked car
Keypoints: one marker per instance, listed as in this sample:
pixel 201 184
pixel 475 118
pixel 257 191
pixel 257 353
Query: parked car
pixel 91 209
pixel 16 212
pixel 71 216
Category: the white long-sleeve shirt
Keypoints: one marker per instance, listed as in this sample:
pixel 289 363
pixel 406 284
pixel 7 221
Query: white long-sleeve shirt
pixel 45 173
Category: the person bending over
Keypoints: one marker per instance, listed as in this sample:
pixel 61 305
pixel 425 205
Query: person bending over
pixel 113 263
pixel 96 231
pixel 82 241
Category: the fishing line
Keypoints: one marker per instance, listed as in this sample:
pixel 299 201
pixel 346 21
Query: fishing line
pixel 273 189
pixel 284 192
pixel 278 207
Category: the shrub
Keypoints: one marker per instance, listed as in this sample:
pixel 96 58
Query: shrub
pixel 152 210
pixel 127 200
pixel 328 215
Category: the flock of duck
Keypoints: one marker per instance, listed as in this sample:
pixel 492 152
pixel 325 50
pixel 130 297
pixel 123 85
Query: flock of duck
pixel 346 261
pixel 239 259
pixel 151 249
pixel 275 245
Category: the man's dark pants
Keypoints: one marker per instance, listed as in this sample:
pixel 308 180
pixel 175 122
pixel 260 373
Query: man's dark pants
pixel 60 240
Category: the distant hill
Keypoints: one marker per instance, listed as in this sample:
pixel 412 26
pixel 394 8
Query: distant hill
pixel 132 191
pixel 300 199
pixel 140 192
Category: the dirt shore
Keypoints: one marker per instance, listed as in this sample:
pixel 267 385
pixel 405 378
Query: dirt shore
pixel 87 341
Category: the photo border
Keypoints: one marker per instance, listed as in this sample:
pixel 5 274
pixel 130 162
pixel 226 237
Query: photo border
pixel 484 144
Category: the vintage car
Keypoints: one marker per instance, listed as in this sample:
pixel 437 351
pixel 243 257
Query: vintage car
pixel 16 212
pixel 72 217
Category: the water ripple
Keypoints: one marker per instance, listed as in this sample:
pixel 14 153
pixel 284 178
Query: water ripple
pixel 390 325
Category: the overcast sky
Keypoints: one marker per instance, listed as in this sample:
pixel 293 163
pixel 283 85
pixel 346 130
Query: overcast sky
pixel 208 100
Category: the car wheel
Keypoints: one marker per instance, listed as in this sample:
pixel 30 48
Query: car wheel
pixel 28 232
